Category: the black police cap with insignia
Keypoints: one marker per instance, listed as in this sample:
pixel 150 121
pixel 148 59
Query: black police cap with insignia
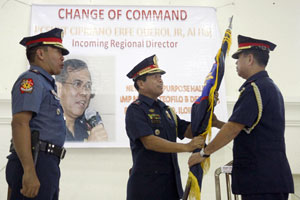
pixel 51 38
pixel 247 43
pixel 147 66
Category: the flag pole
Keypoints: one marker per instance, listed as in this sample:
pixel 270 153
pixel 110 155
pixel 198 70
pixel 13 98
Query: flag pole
pixel 191 178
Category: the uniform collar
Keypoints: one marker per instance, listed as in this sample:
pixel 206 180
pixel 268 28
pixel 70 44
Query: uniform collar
pixel 150 101
pixel 43 72
pixel 254 77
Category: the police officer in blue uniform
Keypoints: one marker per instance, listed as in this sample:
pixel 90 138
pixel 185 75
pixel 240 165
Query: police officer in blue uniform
pixel 36 109
pixel 260 167
pixel 152 128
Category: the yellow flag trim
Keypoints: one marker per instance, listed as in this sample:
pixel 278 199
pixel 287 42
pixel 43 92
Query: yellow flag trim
pixel 195 191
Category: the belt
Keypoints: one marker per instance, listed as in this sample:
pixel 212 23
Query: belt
pixel 52 149
pixel 48 148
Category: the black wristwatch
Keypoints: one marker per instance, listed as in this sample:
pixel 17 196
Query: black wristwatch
pixel 202 154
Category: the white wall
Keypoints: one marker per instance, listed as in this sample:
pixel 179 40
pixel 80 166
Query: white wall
pixel 102 173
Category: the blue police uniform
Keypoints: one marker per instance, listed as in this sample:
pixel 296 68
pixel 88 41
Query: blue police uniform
pixel 260 164
pixel 260 167
pixel 35 91
pixel 154 175
pixel 80 129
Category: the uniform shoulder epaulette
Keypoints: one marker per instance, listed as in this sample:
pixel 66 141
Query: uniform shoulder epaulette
pixel 34 71
pixel 137 102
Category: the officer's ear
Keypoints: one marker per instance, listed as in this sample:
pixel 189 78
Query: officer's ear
pixel 140 83
pixel 250 59
pixel 40 53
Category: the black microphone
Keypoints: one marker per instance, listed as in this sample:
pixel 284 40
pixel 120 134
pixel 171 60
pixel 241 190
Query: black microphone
pixel 92 118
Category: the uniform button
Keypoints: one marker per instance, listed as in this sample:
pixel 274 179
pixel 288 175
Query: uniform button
pixel 157 131
pixel 57 111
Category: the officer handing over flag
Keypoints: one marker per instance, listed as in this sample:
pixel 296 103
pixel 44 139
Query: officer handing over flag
pixel 202 114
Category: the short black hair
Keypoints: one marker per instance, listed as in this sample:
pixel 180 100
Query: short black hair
pixel 31 52
pixel 142 78
pixel 73 64
pixel 262 57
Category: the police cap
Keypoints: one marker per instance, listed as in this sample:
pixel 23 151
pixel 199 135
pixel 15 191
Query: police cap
pixel 51 38
pixel 147 66
pixel 247 43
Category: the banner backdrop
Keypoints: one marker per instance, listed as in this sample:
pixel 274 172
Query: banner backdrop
pixel 111 40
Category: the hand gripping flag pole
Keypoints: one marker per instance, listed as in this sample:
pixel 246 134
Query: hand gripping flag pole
pixel 202 113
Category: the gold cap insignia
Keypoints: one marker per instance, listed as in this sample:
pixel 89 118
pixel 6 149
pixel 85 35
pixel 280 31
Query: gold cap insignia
pixel 155 60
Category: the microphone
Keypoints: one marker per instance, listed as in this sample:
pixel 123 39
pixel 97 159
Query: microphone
pixel 92 118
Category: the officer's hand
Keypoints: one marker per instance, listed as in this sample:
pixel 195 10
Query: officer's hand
pixel 98 133
pixel 196 143
pixel 195 158
pixel 30 184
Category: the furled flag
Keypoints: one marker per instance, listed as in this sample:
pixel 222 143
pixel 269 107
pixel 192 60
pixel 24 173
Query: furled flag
pixel 202 112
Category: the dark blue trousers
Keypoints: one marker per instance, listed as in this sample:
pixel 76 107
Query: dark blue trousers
pixel 275 196
pixel 152 187
pixel 48 172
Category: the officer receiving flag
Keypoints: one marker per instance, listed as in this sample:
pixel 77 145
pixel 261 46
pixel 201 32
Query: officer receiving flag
pixel 202 113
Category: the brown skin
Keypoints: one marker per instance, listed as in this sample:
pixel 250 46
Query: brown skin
pixel 51 60
pixel 75 101
pixel 153 88
pixel 247 66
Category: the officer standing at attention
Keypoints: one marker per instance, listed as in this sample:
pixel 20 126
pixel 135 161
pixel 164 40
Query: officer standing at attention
pixel 260 167
pixel 36 109
pixel 152 128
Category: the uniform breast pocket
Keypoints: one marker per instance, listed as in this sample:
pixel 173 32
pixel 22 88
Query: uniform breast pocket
pixel 55 106
pixel 157 128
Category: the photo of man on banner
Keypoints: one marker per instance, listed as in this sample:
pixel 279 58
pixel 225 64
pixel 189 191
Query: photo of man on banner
pixel 75 91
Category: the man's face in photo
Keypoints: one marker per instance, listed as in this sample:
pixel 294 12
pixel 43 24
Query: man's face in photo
pixel 75 92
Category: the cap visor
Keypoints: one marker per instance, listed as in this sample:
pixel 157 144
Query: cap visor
pixel 63 49
pixel 236 54
pixel 156 71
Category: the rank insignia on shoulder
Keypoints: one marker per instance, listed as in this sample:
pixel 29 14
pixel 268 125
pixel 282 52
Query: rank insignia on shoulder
pixel 138 102
pixel 35 71
pixel 27 85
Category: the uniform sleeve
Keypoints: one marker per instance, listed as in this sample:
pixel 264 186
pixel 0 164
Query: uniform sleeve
pixel 137 124
pixel 182 126
pixel 246 108
pixel 27 94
